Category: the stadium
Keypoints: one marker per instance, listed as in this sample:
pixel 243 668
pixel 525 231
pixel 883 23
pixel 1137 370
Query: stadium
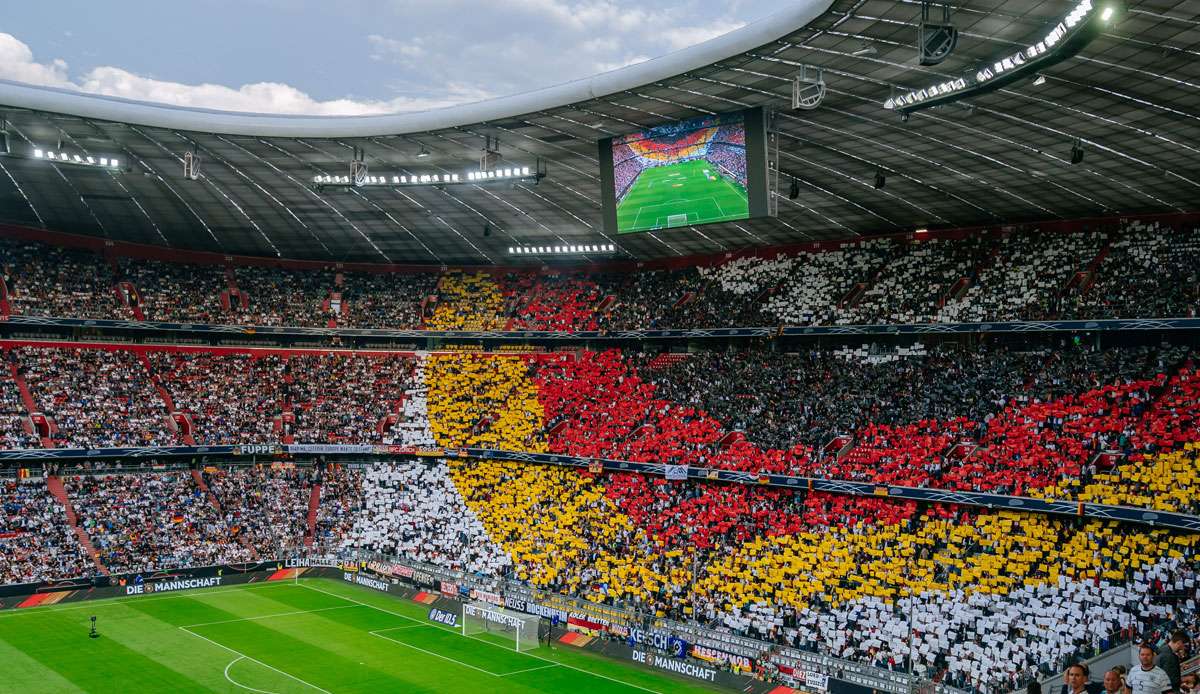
pixel 297 402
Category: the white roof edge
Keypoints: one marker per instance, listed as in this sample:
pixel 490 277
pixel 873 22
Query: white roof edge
pixel 749 37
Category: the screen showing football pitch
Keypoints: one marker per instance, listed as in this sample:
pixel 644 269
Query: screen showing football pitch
pixel 699 171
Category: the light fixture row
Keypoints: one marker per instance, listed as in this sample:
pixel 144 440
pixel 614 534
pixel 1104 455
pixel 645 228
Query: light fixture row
pixel 561 250
pixel 426 179
pixel 76 159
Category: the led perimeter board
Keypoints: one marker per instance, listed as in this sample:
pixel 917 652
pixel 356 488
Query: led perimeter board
pixel 699 171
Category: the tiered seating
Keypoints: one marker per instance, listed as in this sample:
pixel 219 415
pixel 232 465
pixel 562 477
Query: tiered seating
pixel 1149 271
pixel 1026 279
pixel 1029 274
pixel 648 301
pixel 265 507
pixel 911 287
pixel 51 281
pixel 467 302
pixel 152 521
pixel 232 398
pixel 36 544
pixel 171 292
pixel 341 398
pixel 341 503
pixel 989 600
pixel 384 300
pixel 490 401
pixel 555 302
pixel 97 398
pixel 818 282
pixel 15 427
pixel 282 297
pixel 413 510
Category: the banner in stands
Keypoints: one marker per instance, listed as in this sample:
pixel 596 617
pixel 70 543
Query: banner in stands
pixel 527 335
pixel 389 569
pixel 135 585
pixel 663 641
pixel 675 472
pixel 449 589
pixel 329 448
pixel 487 596
pixel 714 655
pixel 258 449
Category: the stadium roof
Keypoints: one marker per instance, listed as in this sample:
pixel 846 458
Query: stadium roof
pixel 1131 99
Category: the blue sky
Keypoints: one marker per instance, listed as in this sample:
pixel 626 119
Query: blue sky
pixel 344 56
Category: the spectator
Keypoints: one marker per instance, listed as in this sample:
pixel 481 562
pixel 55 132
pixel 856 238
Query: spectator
pixel 1171 656
pixel 1146 677
pixel 1077 680
pixel 1114 681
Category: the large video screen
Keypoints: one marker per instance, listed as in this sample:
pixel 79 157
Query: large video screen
pixel 699 171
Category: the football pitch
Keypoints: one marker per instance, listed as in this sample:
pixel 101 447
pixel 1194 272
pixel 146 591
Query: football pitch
pixel 679 195
pixel 315 635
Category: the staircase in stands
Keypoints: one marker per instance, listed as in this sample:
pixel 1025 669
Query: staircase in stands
pixel 55 486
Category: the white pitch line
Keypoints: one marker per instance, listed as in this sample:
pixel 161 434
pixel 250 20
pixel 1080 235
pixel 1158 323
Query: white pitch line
pixel 256 660
pixel 544 660
pixel 239 684
pixel 435 655
pixel 269 616
pixel 356 602
pixel 530 669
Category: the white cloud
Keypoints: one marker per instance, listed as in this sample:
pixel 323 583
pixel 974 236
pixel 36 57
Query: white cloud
pixel 17 63
pixel 427 54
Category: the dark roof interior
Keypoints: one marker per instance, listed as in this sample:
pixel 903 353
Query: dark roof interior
pixel 1132 98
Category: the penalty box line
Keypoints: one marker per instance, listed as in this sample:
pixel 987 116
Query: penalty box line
pixel 455 631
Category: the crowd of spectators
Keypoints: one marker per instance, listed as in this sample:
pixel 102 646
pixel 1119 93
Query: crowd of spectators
pixel 342 398
pixel 992 597
pixel 15 424
pixel 467 301
pixel 174 292
pixel 814 286
pixel 230 397
pixel 391 301
pixel 51 281
pixel 96 398
pixel 1026 277
pixel 264 506
pixel 278 296
pixel 36 544
pixel 1150 270
pixel 413 510
pixel 987 599
pixel 1136 270
pixel 148 522
pixel 340 504
pixel 729 159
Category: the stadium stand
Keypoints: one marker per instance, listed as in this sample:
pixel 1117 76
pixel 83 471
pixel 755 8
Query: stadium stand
pixel 152 521
pixel 264 506
pixel 1026 274
pixel 35 542
pixel 991 598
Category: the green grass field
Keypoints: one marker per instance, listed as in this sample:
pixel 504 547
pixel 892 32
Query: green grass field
pixel 662 194
pixel 317 635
